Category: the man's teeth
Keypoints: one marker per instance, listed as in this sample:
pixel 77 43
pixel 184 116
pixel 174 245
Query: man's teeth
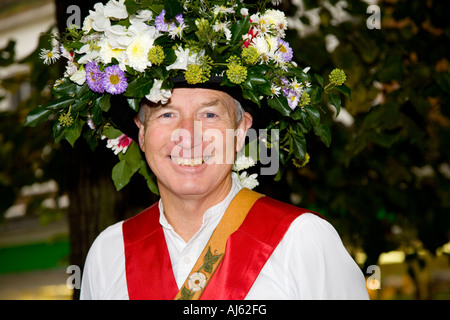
pixel 191 162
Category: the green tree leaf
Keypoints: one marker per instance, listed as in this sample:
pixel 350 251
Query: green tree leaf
pixel 37 115
pixel 73 132
pixel 239 29
pixel 323 133
pixel 336 102
pixel 280 104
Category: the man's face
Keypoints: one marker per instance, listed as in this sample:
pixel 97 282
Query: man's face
pixel 190 142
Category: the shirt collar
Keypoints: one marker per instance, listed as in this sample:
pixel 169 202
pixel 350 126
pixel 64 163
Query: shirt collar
pixel 213 214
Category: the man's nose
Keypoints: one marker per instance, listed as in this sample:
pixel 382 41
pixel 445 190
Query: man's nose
pixel 191 133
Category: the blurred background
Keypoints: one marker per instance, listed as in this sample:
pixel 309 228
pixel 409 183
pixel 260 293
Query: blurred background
pixel 384 182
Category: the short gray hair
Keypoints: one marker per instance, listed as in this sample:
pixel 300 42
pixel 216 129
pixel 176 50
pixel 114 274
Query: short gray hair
pixel 239 111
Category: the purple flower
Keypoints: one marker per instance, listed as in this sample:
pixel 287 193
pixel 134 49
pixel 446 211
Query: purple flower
pixel 114 80
pixel 292 99
pixel 285 50
pixel 179 18
pixel 162 25
pixel 160 22
pixel 94 77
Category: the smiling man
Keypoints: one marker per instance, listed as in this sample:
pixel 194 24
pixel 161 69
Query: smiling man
pixel 190 181
pixel 208 237
pixel 194 70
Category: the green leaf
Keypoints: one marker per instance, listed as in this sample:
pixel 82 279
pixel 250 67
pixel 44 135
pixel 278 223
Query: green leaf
pixel 319 79
pixel 316 95
pixel 280 104
pixel 81 90
pixel 59 131
pixel 121 175
pixel 172 7
pixel 139 87
pixel 73 132
pixel 134 104
pixel 336 102
pixel 313 114
pixel 104 102
pixel 132 6
pixel 132 156
pixel 66 88
pixel 61 103
pixel 112 133
pixel 323 133
pixel 239 29
pixel 251 95
pixel 345 91
pixel 186 294
pixel 144 170
pixel 37 115
pixel 129 164
pixel 298 144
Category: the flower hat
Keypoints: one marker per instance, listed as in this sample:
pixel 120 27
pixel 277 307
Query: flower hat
pixel 129 50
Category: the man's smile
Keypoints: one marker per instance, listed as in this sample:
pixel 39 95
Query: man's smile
pixel 192 162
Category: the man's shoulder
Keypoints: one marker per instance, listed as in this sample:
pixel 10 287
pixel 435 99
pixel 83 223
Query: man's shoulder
pixel 275 209
pixel 140 225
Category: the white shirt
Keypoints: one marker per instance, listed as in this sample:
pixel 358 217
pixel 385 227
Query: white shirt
pixel 310 262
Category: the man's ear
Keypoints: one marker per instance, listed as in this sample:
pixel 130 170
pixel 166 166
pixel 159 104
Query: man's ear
pixel 246 123
pixel 141 127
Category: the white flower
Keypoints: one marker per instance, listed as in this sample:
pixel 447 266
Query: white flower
pixel 119 144
pixel 242 162
pixel 66 54
pixel 196 281
pixel 107 52
pixel 260 45
pixel 244 12
pixel 49 56
pixel 275 90
pixel 141 16
pixel 116 9
pixel 118 37
pixel 137 52
pixel 79 77
pixel 184 58
pixel 177 30
pixel 89 55
pixel 71 68
pixel 223 26
pixel 97 19
pixel 157 94
pixel 275 18
pixel 142 39
pixel 87 24
pixel 245 181
pixel 222 9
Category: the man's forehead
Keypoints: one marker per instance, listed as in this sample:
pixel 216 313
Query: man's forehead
pixel 198 97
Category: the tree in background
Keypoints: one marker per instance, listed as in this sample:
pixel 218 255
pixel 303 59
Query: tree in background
pixel 385 181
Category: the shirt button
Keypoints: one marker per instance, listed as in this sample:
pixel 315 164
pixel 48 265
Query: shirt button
pixel 187 260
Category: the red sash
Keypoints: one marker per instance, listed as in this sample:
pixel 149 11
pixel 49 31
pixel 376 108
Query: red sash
pixel 147 262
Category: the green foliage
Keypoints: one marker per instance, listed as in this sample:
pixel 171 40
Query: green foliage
pixel 389 169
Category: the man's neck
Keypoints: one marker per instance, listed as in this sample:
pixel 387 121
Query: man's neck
pixel 185 213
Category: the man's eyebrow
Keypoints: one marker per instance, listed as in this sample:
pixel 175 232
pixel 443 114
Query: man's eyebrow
pixel 209 103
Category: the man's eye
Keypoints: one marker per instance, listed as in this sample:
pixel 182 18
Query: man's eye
pixel 209 115
pixel 167 115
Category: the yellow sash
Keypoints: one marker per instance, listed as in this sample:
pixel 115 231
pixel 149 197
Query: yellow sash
pixel 211 256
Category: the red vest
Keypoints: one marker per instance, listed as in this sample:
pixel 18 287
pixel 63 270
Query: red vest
pixel 147 262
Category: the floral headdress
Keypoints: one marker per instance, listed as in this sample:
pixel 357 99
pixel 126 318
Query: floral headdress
pixel 137 48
